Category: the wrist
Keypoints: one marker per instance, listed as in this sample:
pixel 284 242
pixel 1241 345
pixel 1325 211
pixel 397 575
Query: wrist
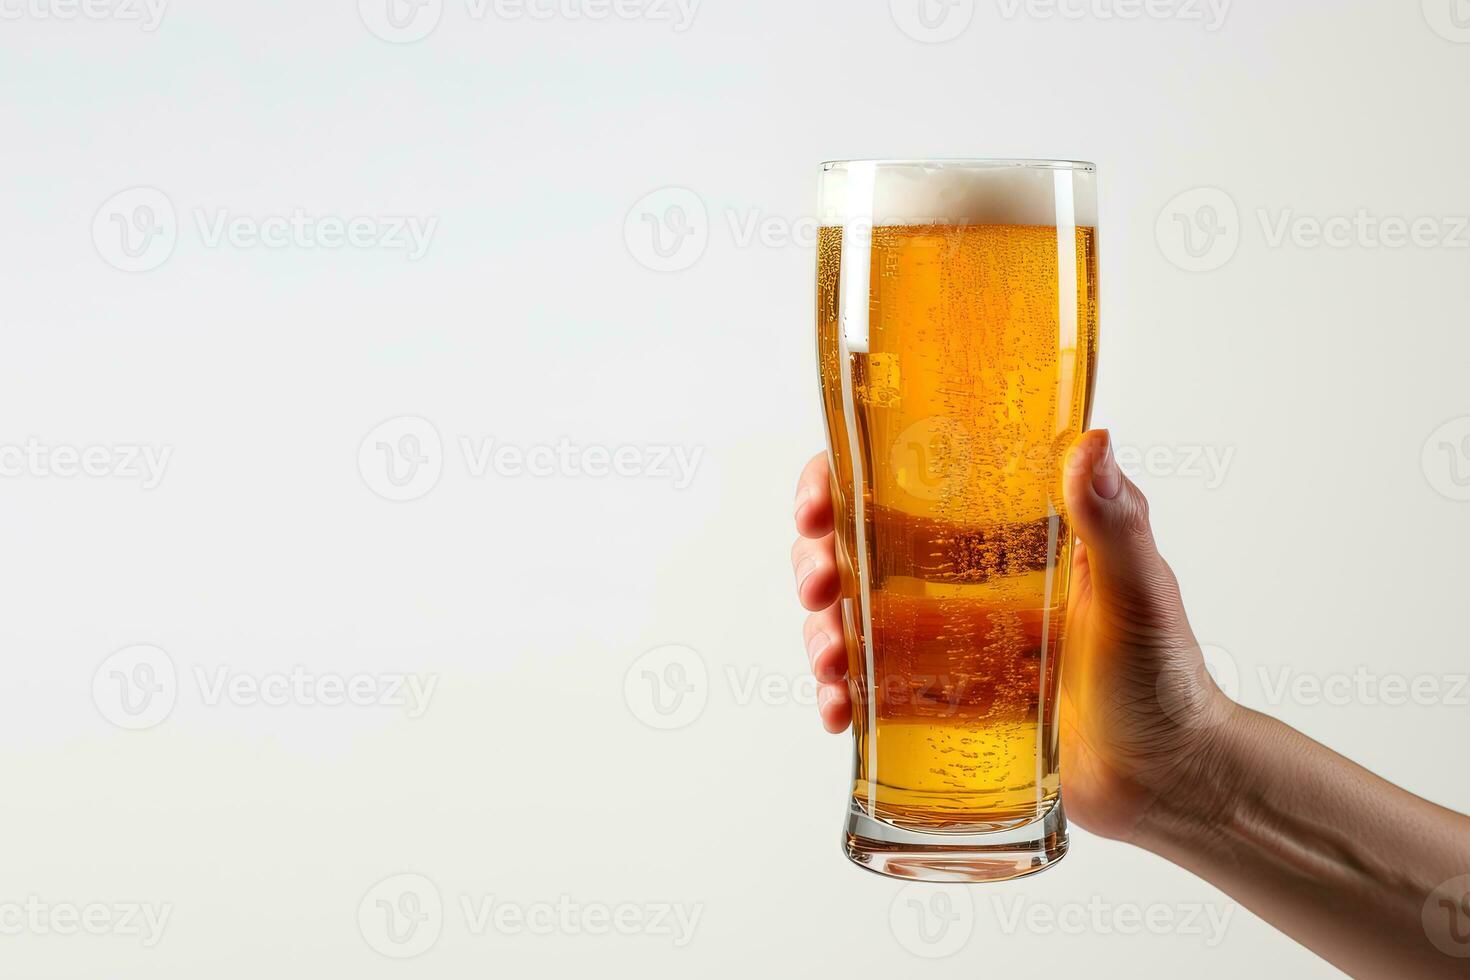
pixel 1209 786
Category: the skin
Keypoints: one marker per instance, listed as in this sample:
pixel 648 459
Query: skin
pixel 1349 865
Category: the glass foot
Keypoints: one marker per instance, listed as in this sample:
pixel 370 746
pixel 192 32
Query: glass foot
pixel 996 855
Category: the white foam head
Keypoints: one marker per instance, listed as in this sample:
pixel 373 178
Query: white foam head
pixel 958 192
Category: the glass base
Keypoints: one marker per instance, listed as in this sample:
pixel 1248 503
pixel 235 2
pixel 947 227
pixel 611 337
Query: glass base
pixel 996 855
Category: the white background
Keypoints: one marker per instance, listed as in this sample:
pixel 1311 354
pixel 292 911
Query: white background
pixel 1329 545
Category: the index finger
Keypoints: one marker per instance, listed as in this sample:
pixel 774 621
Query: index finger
pixel 814 499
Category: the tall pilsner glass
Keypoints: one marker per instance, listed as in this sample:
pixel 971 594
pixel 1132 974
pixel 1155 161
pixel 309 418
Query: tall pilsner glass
pixel 956 337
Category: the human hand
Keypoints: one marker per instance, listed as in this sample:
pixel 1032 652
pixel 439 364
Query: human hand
pixel 1138 713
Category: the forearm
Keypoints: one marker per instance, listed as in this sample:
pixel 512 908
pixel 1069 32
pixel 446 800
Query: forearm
pixel 1324 850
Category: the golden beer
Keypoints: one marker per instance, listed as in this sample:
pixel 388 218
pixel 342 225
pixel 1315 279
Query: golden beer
pixel 949 413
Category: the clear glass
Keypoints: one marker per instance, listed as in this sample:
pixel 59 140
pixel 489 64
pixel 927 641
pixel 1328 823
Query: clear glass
pixel 957 338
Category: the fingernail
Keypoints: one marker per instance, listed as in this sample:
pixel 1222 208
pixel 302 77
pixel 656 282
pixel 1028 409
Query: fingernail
pixel 816 645
pixel 824 698
pixel 804 570
pixel 1107 479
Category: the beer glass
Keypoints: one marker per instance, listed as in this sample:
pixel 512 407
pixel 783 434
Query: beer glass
pixel 956 339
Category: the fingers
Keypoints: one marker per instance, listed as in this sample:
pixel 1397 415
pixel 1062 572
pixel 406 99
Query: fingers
pixel 827 652
pixel 814 560
pixel 825 648
pixel 814 499
pixel 834 705
pixel 815 564
pixel 1111 517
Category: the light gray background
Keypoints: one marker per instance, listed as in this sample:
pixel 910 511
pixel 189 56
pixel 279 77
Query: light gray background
pixel 1329 545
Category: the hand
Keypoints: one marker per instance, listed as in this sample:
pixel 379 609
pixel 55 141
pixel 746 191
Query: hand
pixel 1138 712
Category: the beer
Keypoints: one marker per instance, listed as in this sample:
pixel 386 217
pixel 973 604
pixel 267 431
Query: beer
pixel 954 380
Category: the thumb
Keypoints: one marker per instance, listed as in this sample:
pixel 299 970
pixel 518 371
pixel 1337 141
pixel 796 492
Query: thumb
pixel 1129 577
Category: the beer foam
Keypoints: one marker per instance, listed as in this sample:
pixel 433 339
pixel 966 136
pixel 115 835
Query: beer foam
pixel 957 193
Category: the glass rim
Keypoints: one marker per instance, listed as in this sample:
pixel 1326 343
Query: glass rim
pixel 978 163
